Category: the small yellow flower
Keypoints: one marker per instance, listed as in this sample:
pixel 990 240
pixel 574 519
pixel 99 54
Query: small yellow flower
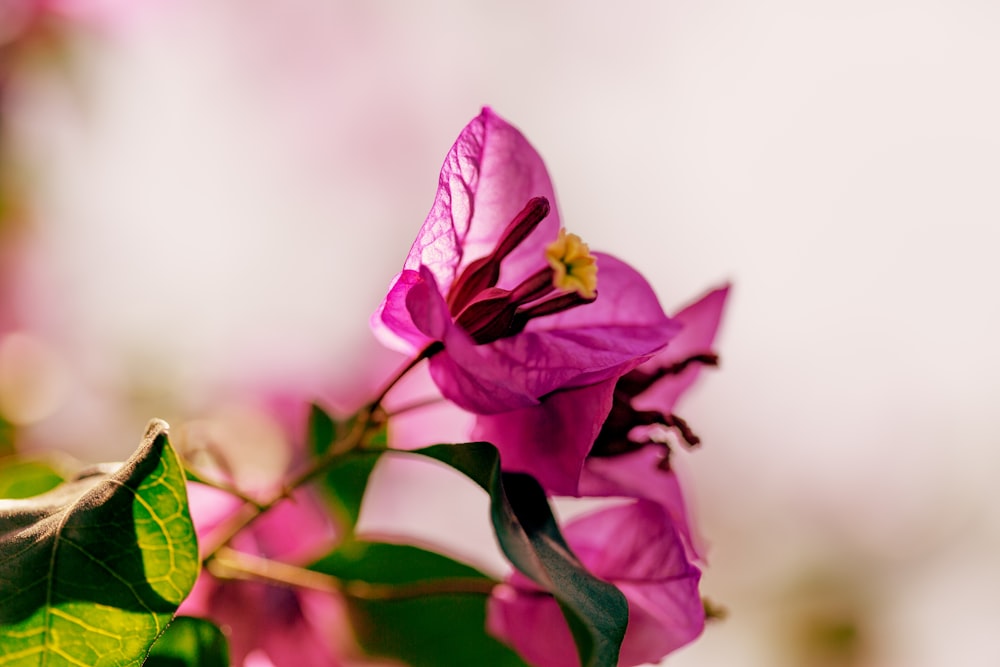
pixel 575 268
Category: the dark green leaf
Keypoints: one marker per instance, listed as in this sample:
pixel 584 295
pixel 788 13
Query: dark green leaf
pixel 344 486
pixel 92 571
pixel 346 479
pixel 439 630
pixel 528 534
pixel 322 430
pixel 190 642
pixel 23 478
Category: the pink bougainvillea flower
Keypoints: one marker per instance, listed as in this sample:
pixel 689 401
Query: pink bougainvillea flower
pixel 512 306
pixel 553 440
pixel 287 627
pixel 637 548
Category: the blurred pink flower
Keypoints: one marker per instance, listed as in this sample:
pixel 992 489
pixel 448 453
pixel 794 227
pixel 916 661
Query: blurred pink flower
pixel 20 19
pixel 292 627
pixel 599 422
pixel 636 547
pixel 513 299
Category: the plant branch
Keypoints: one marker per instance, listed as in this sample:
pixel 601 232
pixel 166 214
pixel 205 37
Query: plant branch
pixel 231 564
pixel 194 476
pixel 368 418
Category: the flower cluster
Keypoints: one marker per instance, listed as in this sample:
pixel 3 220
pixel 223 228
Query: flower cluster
pixel 567 371
pixel 572 369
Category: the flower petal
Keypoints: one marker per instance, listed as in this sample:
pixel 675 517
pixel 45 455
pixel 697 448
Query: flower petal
pixel 700 322
pixel 295 530
pixel 637 548
pixel 488 176
pixel 582 346
pixel 533 625
pixel 638 475
pixel 552 440
pixel 393 323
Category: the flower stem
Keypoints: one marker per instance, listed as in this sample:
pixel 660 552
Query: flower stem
pixel 231 564
pixel 415 405
pixel 426 353
pixel 194 476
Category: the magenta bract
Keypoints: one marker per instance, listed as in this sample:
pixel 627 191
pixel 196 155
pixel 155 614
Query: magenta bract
pixel 552 440
pixel 509 339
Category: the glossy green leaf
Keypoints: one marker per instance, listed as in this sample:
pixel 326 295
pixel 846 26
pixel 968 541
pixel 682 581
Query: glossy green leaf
pixel 190 642
pixel 23 478
pixel 92 571
pixel 429 630
pixel 595 610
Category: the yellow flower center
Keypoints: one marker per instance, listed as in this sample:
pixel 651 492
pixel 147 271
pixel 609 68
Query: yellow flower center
pixel 575 269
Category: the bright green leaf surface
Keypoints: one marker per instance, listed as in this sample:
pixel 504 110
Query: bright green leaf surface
pixel 444 630
pixel 190 642
pixel 23 478
pixel 596 611
pixel 92 571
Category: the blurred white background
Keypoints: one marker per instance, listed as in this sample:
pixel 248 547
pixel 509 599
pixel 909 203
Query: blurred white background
pixel 224 189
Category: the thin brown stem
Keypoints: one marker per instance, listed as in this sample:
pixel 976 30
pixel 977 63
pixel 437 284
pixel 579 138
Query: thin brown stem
pixel 415 405
pixel 194 475
pixel 426 353
pixel 231 564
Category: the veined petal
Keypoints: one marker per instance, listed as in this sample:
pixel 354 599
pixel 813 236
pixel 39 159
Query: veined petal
pixel 488 176
pixel 583 346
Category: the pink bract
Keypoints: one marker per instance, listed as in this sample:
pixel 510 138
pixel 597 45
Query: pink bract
pixel 699 322
pixel 488 178
pixel 551 441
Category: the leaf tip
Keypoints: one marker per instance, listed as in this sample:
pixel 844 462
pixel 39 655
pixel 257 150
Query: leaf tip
pixel 154 429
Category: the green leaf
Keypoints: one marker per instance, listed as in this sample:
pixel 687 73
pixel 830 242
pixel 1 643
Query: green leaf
pixel 322 431
pixel 346 479
pixel 595 610
pixel 440 630
pixel 92 571
pixel 23 478
pixel 190 642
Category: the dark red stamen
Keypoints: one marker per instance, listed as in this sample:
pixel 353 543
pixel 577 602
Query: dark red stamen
pixel 489 317
pixel 484 272
pixel 637 381
pixel 682 428
pixel 614 438
pixel 535 287
pixel 556 304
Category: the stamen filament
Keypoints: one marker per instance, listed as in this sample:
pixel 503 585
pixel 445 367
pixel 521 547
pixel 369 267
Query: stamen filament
pixel 484 272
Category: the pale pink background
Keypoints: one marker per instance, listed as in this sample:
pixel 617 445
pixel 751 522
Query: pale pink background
pixel 225 189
